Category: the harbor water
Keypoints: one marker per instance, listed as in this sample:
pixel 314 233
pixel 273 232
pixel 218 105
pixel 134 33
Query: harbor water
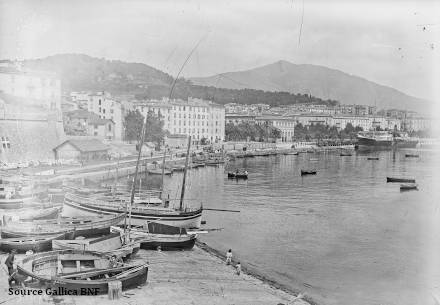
pixel 343 236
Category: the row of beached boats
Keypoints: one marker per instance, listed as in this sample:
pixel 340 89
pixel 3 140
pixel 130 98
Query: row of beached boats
pixel 89 245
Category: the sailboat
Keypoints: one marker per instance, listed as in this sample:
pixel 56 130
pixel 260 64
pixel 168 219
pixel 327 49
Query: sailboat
pixel 139 214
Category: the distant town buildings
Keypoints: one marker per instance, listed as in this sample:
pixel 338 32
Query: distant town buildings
pixel 364 116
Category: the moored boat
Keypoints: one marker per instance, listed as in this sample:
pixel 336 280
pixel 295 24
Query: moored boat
pixel 373 158
pixel 87 226
pixel 157 235
pixel 75 205
pixel 33 243
pixel 238 175
pixel 408 187
pixel 403 180
pixel 308 172
pixel 411 155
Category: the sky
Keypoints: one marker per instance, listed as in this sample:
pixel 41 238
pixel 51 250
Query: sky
pixel 391 42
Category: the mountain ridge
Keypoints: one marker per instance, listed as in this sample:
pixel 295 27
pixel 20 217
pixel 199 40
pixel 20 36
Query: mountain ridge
pixel 320 81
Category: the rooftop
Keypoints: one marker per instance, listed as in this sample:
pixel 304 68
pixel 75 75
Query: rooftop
pixel 89 145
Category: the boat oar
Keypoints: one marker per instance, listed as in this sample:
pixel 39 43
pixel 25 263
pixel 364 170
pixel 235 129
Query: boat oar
pixel 221 210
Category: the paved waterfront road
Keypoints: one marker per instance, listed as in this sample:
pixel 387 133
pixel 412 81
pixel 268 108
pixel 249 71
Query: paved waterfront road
pixel 344 236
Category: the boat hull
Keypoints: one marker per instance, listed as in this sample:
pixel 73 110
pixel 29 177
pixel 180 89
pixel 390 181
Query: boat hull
pixel 403 180
pixel 44 244
pixel 169 245
pixel 183 220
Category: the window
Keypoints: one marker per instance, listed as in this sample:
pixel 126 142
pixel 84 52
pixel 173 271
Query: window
pixel 99 103
pixel 6 143
pixel 109 127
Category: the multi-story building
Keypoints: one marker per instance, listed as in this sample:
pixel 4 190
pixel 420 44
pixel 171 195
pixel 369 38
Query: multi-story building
pixel 236 118
pixel 285 124
pixel 108 108
pixel 195 117
pixel 30 113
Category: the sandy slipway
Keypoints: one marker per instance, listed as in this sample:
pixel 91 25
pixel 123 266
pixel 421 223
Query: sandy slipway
pixel 194 277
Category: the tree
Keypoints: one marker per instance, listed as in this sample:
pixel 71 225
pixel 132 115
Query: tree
pixel 133 125
pixel 154 129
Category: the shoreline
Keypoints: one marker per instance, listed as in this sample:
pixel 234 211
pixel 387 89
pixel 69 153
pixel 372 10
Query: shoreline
pixel 254 273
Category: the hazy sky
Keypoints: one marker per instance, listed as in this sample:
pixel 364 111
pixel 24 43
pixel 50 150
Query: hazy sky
pixel 391 42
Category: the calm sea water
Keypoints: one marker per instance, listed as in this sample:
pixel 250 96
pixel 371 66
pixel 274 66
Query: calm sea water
pixel 344 236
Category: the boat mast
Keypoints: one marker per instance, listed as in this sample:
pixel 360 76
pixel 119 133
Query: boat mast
pixel 133 187
pixel 182 194
pixel 163 170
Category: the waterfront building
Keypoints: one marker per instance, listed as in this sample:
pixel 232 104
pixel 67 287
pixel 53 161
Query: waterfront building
pixel 285 124
pixel 417 124
pixel 203 120
pixel 237 118
pixel 307 119
pixel 30 113
pixel 81 149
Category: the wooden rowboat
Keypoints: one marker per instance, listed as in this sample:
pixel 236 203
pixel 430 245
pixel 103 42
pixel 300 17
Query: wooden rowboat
pixel 109 244
pixel 79 271
pixel 34 243
pixel 373 158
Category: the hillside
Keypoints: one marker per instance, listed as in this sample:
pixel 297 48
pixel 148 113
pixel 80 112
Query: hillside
pixel 318 81
pixel 80 72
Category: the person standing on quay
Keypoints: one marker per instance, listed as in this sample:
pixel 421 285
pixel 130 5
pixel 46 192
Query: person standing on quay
pixel 229 257
pixel 238 268
pixel 9 262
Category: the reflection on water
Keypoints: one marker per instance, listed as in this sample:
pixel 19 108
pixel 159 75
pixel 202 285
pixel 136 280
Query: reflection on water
pixel 344 236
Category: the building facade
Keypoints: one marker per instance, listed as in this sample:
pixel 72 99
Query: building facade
pixel 203 120
pixel 285 124
pixel 30 114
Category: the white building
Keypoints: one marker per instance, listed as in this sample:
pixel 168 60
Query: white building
pixel 285 124
pixel 39 88
pixel 108 108
pixel 195 117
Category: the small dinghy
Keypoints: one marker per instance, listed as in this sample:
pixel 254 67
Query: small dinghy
pixel 158 171
pixel 308 172
pixel 408 187
pixel 402 180
pixel 238 175
pixel 373 158
pixel 291 153
pixel 411 155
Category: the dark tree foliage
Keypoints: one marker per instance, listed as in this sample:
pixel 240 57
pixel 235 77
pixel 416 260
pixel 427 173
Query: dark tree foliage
pixel 184 89
pixel 252 132
pixel 154 129
pixel 325 132
pixel 133 124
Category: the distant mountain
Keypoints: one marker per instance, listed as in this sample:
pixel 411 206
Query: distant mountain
pixel 321 82
pixel 79 72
